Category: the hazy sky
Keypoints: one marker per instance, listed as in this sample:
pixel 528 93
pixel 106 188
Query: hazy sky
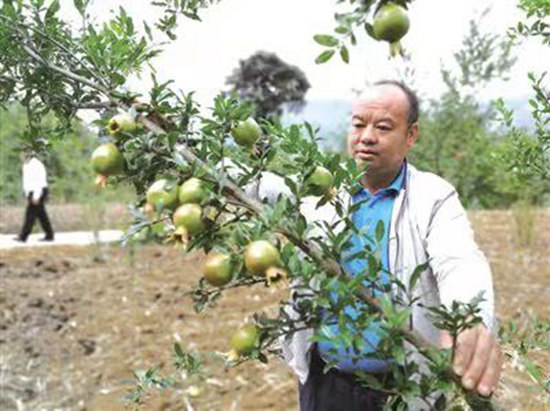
pixel 207 52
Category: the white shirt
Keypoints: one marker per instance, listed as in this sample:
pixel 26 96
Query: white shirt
pixel 34 178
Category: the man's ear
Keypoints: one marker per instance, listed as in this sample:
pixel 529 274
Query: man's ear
pixel 412 135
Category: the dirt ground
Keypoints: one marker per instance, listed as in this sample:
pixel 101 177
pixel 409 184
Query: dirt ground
pixel 76 321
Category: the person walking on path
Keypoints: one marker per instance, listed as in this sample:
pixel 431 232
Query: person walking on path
pixel 35 187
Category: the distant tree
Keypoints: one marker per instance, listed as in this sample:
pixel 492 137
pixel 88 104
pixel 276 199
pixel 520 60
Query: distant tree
pixel 457 138
pixel 529 156
pixel 268 84
pixel 484 57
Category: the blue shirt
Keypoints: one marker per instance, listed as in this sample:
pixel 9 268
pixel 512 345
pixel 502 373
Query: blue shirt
pixel 374 208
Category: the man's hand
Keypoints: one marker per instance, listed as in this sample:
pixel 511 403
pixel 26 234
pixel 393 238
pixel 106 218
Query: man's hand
pixel 35 201
pixel 478 359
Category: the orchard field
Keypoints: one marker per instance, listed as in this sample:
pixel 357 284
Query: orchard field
pixel 89 89
pixel 76 322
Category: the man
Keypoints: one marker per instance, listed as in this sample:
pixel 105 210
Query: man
pixel 35 187
pixel 425 222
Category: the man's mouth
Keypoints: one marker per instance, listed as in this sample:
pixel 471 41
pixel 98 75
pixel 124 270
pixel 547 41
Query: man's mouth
pixel 365 153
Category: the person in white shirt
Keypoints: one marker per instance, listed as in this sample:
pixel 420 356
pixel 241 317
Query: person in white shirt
pixel 35 187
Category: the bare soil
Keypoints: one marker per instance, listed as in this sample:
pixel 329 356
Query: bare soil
pixel 75 322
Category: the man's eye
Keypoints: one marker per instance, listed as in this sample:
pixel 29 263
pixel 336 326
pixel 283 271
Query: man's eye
pixel 383 128
pixel 358 125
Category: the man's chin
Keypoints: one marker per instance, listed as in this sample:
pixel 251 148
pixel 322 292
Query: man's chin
pixel 363 163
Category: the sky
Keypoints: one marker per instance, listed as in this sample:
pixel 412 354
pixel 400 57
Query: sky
pixel 207 52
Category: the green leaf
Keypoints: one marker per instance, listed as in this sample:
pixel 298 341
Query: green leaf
pixel 370 31
pixel 344 54
pixel 326 40
pixel 387 307
pixel 379 231
pixel 416 274
pixel 81 6
pixel 373 264
pixel 262 358
pixel 369 380
pixel 301 225
pixel 341 30
pixel 52 10
pixel 324 56
pixel 398 354
pixel 401 318
pixel 178 350
pixel 148 31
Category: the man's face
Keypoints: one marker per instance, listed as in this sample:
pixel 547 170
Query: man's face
pixel 379 133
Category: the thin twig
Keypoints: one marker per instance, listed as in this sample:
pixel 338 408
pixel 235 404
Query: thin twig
pixel 96 106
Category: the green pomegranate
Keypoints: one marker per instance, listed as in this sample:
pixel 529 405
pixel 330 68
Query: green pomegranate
pixel 107 160
pixel 190 217
pixel 163 191
pixel 246 133
pixel 121 123
pixel 217 269
pixel 319 182
pixel 245 339
pixel 192 191
pixel 391 23
pixel 261 255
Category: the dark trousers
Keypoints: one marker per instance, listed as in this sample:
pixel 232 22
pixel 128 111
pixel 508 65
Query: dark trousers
pixel 336 391
pixel 33 212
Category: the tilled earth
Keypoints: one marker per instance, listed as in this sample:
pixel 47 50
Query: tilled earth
pixel 76 322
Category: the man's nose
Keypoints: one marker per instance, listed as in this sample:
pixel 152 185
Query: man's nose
pixel 368 136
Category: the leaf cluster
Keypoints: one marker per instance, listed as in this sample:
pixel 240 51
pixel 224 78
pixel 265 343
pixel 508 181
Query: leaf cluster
pixel 530 157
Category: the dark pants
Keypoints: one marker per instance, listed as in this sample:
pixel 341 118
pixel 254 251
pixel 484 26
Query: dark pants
pixel 33 212
pixel 336 391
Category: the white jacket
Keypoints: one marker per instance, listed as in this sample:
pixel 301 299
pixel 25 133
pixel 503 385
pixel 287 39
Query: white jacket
pixel 428 223
pixel 34 178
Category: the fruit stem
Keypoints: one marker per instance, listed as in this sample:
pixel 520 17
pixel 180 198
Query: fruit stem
pixel 101 181
pixel 396 49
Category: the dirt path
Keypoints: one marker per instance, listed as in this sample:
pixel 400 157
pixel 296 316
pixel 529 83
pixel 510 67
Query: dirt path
pixel 8 242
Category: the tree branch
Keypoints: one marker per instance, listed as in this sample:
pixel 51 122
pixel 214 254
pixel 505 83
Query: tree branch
pixel 64 72
pixel 61 46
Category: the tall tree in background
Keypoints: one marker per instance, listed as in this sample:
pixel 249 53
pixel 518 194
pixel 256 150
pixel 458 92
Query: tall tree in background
pixel 456 138
pixel 529 157
pixel 268 84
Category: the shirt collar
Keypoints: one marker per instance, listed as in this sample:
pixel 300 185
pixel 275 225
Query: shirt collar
pixel 397 183
pixel 393 188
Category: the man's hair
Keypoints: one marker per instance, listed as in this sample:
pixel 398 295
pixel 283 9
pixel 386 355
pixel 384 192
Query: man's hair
pixel 411 97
